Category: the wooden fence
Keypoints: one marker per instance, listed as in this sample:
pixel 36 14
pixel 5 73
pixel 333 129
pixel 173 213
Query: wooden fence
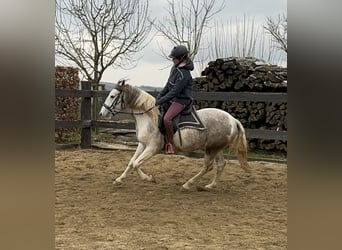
pixel 86 123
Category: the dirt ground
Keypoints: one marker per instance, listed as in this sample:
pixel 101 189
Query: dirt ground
pixel 243 212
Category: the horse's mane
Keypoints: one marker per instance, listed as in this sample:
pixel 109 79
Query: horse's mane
pixel 139 101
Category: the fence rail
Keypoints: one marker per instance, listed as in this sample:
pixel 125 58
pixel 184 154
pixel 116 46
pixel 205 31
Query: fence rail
pixel 86 123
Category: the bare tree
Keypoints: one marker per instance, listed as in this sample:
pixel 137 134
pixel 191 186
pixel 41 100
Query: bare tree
pixel 278 30
pixel 186 22
pixel 241 38
pixel 98 34
pixel 233 38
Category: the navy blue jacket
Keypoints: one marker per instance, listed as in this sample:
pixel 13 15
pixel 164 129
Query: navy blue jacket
pixel 179 85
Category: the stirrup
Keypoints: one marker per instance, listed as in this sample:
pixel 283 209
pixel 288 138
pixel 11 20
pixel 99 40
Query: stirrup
pixel 169 148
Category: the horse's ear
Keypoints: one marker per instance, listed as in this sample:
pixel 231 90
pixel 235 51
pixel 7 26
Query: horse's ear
pixel 122 82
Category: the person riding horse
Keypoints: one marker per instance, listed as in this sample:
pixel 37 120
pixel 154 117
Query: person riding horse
pixel 222 131
pixel 177 91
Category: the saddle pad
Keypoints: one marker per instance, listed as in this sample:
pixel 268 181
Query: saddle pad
pixel 189 120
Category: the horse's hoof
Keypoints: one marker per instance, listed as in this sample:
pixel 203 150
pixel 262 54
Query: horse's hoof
pixel 117 182
pixel 184 188
pixel 152 179
pixel 247 169
pixel 209 187
pixel 203 189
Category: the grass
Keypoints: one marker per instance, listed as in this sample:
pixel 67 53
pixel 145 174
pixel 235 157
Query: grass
pixel 267 156
pixel 69 137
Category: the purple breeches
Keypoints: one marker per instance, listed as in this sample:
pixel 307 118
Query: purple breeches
pixel 171 113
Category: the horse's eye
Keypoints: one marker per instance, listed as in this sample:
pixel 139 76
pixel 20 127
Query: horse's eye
pixel 112 96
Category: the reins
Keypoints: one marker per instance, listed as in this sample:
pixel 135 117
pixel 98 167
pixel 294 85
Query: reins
pixel 114 112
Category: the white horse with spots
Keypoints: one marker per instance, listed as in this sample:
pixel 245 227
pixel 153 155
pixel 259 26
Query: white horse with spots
pixel 222 131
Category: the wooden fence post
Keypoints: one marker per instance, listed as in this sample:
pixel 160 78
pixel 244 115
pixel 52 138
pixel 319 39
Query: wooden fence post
pixel 86 117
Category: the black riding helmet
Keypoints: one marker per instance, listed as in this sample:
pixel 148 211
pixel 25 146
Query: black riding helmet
pixel 179 52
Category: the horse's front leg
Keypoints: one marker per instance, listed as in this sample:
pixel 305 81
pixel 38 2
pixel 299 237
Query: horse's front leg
pixel 129 167
pixel 149 151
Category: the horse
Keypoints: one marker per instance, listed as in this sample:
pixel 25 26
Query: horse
pixel 222 131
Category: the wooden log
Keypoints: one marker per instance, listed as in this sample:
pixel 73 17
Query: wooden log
pixel 211 76
pixel 238 85
pixel 222 87
pixel 215 81
pixel 229 82
pixel 220 76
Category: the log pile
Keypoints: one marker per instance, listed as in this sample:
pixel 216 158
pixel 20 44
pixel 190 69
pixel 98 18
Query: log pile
pixel 247 75
pixel 67 108
pixel 241 74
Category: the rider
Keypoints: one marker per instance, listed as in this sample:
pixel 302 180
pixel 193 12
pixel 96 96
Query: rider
pixel 177 91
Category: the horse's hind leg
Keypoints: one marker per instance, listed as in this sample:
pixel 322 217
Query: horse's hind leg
pixel 220 163
pixel 208 162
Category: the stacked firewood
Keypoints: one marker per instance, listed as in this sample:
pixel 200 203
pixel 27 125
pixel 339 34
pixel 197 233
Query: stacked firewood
pixel 241 74
pixel 247 75
pixel 67 108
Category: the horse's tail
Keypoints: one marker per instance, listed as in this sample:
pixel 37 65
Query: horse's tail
pixel 240 147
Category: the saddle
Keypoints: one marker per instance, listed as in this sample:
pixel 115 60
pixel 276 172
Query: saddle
pixel 188 118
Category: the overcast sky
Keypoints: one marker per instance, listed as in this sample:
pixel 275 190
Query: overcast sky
pixel 152 69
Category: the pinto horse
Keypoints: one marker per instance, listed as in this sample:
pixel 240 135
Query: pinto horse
pixel 222 131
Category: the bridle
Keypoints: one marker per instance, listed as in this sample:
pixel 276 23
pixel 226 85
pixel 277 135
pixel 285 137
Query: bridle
pixel 120 100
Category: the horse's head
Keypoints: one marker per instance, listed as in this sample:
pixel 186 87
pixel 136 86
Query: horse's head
pixel 114 101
